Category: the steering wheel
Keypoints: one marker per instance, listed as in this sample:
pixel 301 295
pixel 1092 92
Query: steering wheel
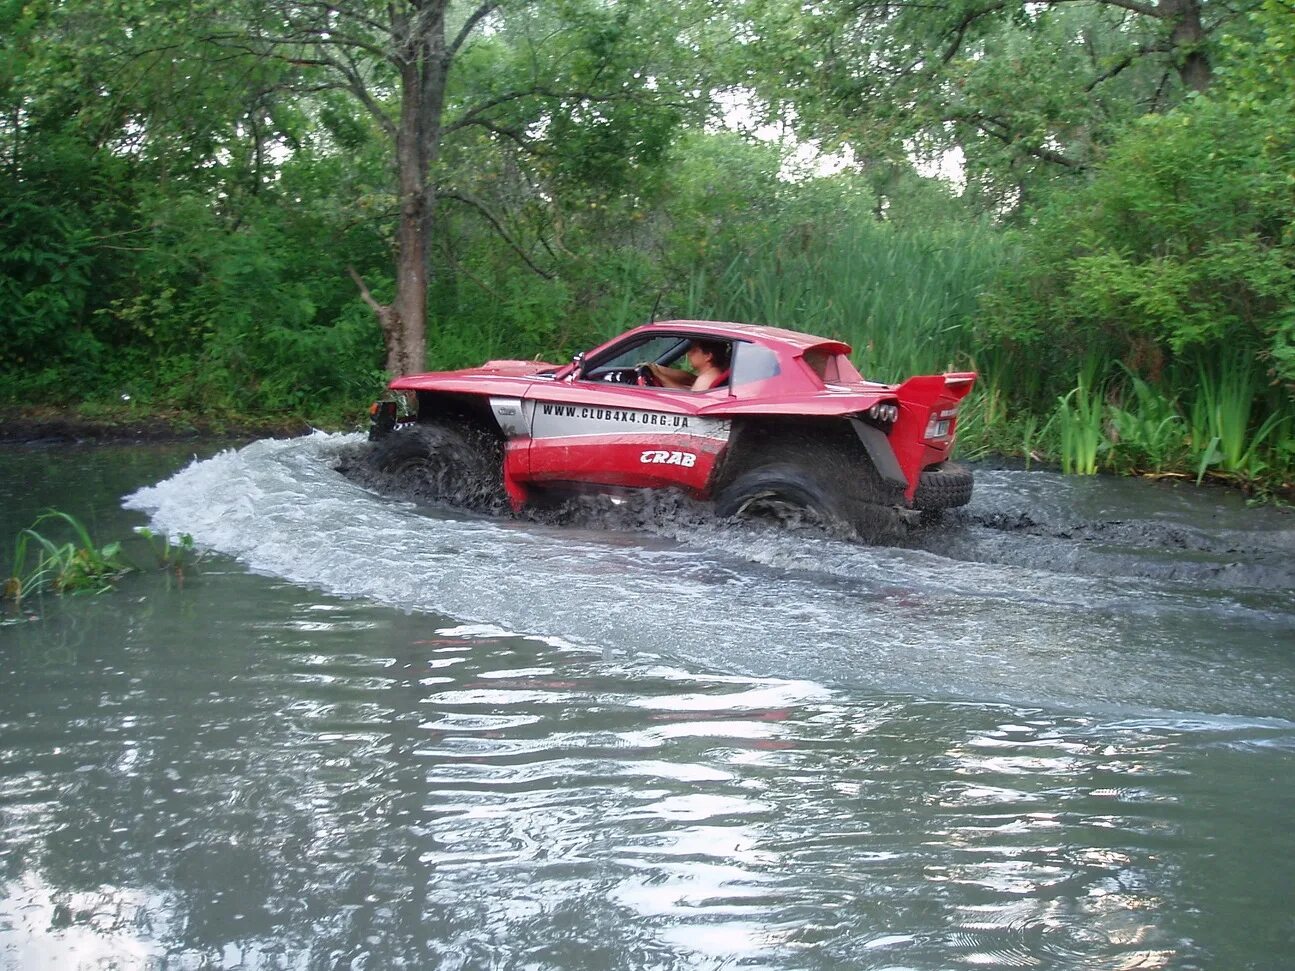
pixel 644 377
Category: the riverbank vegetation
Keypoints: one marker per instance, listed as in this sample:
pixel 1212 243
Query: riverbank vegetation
pixel 207 213
pixel 57 554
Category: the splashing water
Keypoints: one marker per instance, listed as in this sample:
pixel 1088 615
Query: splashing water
pixel 1001 605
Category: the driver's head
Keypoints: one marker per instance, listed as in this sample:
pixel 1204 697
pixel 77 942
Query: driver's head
pixel 715 352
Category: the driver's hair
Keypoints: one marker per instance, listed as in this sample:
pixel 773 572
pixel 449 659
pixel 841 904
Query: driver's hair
pixel 718 351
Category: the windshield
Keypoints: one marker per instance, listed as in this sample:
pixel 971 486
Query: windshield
pixel 659 349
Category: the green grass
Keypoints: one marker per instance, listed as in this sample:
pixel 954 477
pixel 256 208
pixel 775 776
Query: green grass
pixel 988 425
pixel 1147 431
pixel 1079 420
pixel 1222 434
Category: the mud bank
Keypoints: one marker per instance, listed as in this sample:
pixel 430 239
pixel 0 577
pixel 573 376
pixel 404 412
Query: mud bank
pixel 45 425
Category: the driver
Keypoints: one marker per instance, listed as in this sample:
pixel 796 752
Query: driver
pixel 709 361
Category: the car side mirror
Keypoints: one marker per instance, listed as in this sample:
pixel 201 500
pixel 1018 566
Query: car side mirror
pixel 578 366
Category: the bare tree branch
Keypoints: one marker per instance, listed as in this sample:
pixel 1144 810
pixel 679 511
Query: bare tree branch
pixel 365 295
pixel 1125 62
pixel 512 134
pixel 473 116
pixel 478 15
pixel 499 228
pixel 960 31
pixel 1142 8
pixel 998 129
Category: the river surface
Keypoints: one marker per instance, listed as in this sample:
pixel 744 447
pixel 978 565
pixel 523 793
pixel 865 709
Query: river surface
pixel 1056 732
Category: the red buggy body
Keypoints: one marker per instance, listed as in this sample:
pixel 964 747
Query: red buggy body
pixel 792 423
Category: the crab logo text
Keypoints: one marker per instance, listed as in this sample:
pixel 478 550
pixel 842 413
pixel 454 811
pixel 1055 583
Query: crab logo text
pixel 657 457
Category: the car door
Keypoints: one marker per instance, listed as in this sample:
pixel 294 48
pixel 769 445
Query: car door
pixel 595 430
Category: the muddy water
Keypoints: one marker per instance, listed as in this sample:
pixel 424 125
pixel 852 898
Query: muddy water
pixel 1057 732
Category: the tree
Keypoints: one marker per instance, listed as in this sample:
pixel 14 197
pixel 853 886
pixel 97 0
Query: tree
pixel 413 67
pixel 1027 92
pixel 1182 245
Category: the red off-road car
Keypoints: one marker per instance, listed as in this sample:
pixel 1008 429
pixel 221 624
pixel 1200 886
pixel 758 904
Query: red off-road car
pixel 790 424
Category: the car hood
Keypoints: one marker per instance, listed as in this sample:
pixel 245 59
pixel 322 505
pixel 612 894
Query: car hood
pixel 511 368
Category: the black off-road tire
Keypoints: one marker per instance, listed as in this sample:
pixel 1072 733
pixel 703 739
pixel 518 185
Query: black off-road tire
pixel 944 486
pixel 823 475
pixel 442 463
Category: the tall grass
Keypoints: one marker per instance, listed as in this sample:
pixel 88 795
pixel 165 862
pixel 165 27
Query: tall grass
pixel 1079 421
pixel 1146 429
pixel 1142 429
pixel 988 423
pixel 1221 431
pixel 905 301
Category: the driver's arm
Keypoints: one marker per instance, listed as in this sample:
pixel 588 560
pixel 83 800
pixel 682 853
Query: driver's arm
pixel 672 377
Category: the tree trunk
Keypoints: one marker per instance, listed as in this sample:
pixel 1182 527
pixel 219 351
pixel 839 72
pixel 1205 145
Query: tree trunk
pixel 406 330
pixel 424 64
pixel 1187 42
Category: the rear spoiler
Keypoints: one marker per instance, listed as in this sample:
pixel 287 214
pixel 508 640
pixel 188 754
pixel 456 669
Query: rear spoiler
pixel 928 418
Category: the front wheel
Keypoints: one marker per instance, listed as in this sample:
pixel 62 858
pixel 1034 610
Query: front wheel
pixel 442 463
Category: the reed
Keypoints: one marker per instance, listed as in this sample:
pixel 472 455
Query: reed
pixel 906 302
pixel 1220 431
pixel 1078 418
pixel 1147 431
pixel 989 425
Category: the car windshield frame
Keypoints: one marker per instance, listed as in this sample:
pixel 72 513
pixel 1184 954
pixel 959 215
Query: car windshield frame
pixel 675 346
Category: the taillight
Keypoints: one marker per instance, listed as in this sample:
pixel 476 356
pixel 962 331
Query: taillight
pixel 940 425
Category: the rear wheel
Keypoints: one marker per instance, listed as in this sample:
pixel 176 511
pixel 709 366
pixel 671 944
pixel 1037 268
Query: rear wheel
pixel 832 482
pixel 443 463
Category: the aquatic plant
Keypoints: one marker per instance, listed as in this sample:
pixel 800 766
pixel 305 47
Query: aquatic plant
pixel 78 565
pixel 175 556
pixel 1220 426
pixel 21 583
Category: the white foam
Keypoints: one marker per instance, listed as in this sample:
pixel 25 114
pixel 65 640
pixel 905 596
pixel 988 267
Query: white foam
pixel 791 607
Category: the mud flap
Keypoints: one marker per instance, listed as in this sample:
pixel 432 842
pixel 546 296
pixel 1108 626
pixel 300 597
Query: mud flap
pixel 878 448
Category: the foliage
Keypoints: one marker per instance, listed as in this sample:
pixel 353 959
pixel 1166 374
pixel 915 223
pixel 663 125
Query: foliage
pixel 1079 422
pixel 1173 247
pixel 1119 422
pixel 44 272
pixel 176 556
pixel 1027 94
pixel 78 565
pixel 1177 262
pixel 1146 429
pixel 179 210
pixel 1222 432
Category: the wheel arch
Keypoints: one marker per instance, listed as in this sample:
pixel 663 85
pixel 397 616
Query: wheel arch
pixel 754 439
pixel 469 411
